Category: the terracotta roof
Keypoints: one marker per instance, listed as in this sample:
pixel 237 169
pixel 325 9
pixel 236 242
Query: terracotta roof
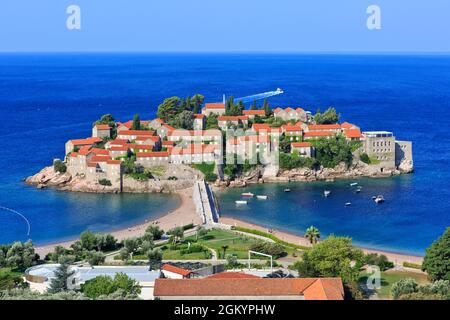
pixel 199 116
pixel 216 105
pixel 170 128
pixel 301 144
pixel 98 151
pixel 159 120
pixel 180 271
pixel 155 154
pixel 113 162
pixel 232 275
pixel 299 110
pixel 199 133
pixel 312 127
pixel 255 138
pixel 102 126
pixel 347 125
pixel 254 112
pixel 84 150
pixel 80 142
pixel 168 143
pixel 140 146
pixel 118 148
pixel 353 133
pixel 74 154
pixel 100 158
pixel 288 127
pixel 136 133
pixel 145 138
pixel 310 288
pixel 277 110
pixel 261 126
pixel 129 124
pixel 118 142
pixel 319 134
pixel 232 118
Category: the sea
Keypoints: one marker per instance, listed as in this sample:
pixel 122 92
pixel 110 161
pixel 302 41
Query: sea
pixel 47 99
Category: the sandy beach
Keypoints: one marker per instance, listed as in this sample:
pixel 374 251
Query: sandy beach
pixel 183 215
pixel 397 258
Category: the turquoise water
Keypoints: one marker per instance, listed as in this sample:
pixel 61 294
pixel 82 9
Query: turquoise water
pixel 46 99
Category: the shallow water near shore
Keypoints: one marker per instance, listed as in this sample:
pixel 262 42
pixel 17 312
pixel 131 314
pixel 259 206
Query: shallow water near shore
pixel 47 99
pixel 392 225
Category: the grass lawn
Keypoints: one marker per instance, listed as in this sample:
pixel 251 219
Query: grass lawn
pixel 205 168
pixel 388 278
pixel 237 244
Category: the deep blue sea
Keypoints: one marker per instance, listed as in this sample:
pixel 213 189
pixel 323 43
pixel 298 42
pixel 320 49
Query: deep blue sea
pixel 46 99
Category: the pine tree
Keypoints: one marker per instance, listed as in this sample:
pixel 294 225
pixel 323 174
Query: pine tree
pixel 267 108
pixel 136 122
pixel 253 106
pixel 239 108
pixel 62 275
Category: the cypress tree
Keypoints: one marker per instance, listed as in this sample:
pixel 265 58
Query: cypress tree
pixel 136 122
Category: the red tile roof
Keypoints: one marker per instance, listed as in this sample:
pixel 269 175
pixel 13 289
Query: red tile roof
pixel 261 126
pixel 199 116
pixel 140 146
pixel 288 128
pixel 177 270
pixel 232 275
pixel 156 154
pixel 313 127
pixel 310 288
pixel 168 143
pixel 301 144
pixel 216 105
pixel 347 125
pixel 84 150
pixel 113 162
pixel 319 134
pixel 100 158
pixel 98 151
pixel 232 118
pixel 254 112
pixel 87 141
pixel 353 133
pixel 102 127
pixel 118 142
pixel 119 148
pixel 136 133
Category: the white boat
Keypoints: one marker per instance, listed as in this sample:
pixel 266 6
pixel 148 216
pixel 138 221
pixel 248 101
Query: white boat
pixel 287 190
pixel 348 204
pixel 353 184
pixel 262 197
pixel 247 194
pixel 358 190
pixel 326 193
pixel 241 202
pixel 379 199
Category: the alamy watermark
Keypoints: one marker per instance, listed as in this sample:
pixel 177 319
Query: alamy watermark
pixel 374 19
pixel 73 21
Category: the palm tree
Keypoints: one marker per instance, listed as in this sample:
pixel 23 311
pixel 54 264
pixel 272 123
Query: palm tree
pixel 224 248
pixel 312 234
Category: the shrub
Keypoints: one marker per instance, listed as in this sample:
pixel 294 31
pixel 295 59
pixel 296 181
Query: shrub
pixel 378 260
pixel 104 182
pixel 403 286
pixel 437 258
pixel 412 265
pixel 273 249
pixel 364 157
pixel 59 166
pixel 210 177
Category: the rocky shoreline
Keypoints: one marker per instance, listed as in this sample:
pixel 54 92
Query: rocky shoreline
pixel 356 170
pixel 48 178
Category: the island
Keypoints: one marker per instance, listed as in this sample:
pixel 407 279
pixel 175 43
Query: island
pixel 225 144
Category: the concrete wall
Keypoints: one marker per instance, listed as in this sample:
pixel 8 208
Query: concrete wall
pixel 403 151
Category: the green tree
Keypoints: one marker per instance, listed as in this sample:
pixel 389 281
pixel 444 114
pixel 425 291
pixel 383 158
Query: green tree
pixel 100 285
pixel 155 231
pixel 253 106
pixel 224 250
pixel 88 240
pixel 212 122
pixel 331 152
pixel 183 120
pixel 154 259
pixel 168 108
pixel 18 256
pixel 333 257
pixel 403 286
pixel 61 278
pixel 312 234
pixel 59 166
pixel 177 234
pixel 131 246
pixel 94 258
pixel 266 108
pixel 330 116
pixel 11 280
pixel 201 232
pixel 136 123
pixel 437 258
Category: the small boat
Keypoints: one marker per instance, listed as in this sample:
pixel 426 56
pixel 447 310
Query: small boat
pixel 379 199
pixel 353 184
pixel 262 197
pixel 241 202
pixel 348 204
pixel 287 190
pixel 326 193
pixel 247 194
pixel 358 190
pixel 374 197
